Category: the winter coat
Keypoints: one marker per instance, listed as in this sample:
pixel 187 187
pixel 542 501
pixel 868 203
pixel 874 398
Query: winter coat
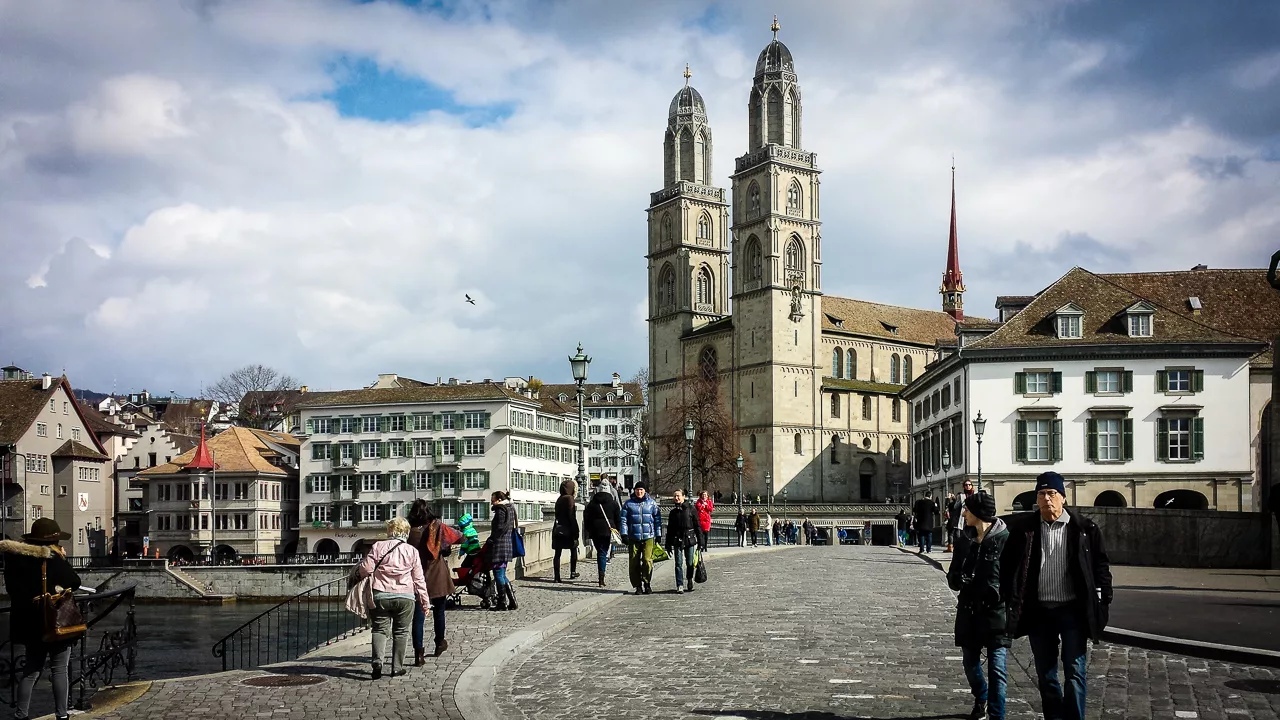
pixel 705 507
pixel 640 519
pixel 396 568
pixel 753 521
pixel 926 513
pixel 564 533
pixel 740 524
pixel 601 516
pixel 682 527
pixel 22 581
pixel 1086 561
pixel 975 573
pixel 500 529
pixel 434 567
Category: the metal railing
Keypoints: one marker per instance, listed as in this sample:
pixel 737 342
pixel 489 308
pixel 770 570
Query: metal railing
pixel 97 658
pixel 303 623
pixel 105 563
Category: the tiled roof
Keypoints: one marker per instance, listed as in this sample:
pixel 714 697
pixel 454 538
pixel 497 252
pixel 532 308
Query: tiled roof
pixel 1014 299
pixel 20 403
pixel 98 423
pixel 405 395
pixel 235 450
pixel 76 451
pixel 887 322
pixel 1104 302
pixel 182 441
pixel 602 389
pixel 552 406
pixel 977 323
pixel 831 383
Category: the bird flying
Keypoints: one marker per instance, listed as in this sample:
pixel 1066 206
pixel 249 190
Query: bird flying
pixel 468 297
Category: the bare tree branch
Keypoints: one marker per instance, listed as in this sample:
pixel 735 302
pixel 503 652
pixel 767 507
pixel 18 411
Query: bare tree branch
pixel 715 444
pixel 258 391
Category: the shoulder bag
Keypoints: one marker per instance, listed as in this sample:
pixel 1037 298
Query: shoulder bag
pixel 62 617
pixel 517 540
pixel 614 537
pixel 360 597
pixel 700 570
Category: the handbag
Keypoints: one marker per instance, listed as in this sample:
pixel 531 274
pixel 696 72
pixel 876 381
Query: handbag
pixel 700 572
pixel 614 537
pixel 62 617
pixel 360 598
pixel 517 543
pixel 659 553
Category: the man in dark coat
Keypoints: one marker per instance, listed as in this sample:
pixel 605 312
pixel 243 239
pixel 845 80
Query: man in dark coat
pixel 753 522
pixel 926 514
pixel 1057 581
pixel 682 539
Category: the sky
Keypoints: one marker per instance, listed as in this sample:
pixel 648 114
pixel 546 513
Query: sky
pixel 189 186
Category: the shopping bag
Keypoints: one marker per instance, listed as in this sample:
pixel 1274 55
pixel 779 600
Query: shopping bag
pixel 659 554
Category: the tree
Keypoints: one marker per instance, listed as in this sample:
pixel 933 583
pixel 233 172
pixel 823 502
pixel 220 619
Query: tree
pixel 715 443
pixel 639 434
pixel 262 394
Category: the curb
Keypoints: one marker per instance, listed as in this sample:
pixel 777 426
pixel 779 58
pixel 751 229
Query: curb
pixel 936 563
pixel 473 693
pixel 1165 643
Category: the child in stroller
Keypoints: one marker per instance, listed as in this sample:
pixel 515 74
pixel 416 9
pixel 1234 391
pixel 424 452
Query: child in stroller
pixel 475 577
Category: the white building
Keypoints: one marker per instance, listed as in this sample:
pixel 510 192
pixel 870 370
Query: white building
pixel 368 454
pixel 614 412
pixel 1135 398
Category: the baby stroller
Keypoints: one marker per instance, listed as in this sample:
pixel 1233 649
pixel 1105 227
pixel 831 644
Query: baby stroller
pixel 475 577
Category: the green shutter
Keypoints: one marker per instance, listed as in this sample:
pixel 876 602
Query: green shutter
pixel 383 448
pixel 486 420
pixel 311 512
pixel 1091 436
pixel 1020 386
pixel 384 424
pixel 309 427
pixel 406 448
pixel 457 448
pixel 308 488
pixel 484 475
pixel 357 425
pixel 1055 382
pixel 1162 438
pixel 437 451
pixel 1197 381
pixel 1021 430
pixel 1162 381
pixel 1197 438
pixel 1126 381
pixel 437 422
pixel 1055 440
pixel 1090 381
pixel 1127 442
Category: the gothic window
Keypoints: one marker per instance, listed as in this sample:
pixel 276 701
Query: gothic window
pixel 704 286
pixel 799 444
pixel 667 288
pixel 895 369
pixel 709 364
pixel 688 156
pixel 699 159
pixel 775 119
pixel 793 198
pixel 836 356
pixel 851 365
pixel 666 229
pixel 835 449
pixel 866 407
pixel 753 199
pixel 704 227
pixel 752 444
pixel 793 133
pixel 835 405
pixel 895 450
pixel 795 255
pixel 754 259
pixel 906 369
pixel 897 410
pixel 754 120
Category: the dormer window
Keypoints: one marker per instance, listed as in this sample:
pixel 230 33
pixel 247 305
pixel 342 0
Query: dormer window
pixel 1138 318
pixel 1069 321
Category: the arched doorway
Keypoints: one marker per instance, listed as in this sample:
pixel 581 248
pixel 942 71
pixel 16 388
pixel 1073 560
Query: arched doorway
pixel 327 547
pixel 225 553
pixel 1025 501
pixel 363 546
pixel 181 553
pixel 290 548
pixel 1109 498
pixel 1181 500
pixel 866 474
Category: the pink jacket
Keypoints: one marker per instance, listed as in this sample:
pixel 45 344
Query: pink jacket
pixel 399 573
pixel 704 513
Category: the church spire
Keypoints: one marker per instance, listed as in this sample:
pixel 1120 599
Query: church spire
pixel 203 459
pixel 952 289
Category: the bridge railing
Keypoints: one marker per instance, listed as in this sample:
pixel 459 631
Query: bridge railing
pixel 305 622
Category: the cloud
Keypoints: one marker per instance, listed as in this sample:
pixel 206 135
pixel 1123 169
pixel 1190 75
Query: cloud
pixel 187 187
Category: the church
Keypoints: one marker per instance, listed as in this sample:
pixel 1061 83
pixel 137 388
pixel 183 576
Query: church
pixel 809 382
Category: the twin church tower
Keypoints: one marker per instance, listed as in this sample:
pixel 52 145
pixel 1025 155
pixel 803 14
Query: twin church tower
pixel 735 294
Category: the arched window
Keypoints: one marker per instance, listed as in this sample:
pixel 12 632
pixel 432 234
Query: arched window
pixel 705 178
pixel 775 118
pixel 688 156
pixel 793 198
pixel 704 227
pixel 752 442
pixel 753 198
pixel 788 130
pixel 666 228
pixel 799 444
pixel 835 449
pixel 895 450
pixel 754 259
pixel 866 407
pixel 754 116
pixel 895 369
pixel 667 288
pixel 897 410
pixel 794 134
pixel 699 159
pixel 705 284
pixel 709 364
pixel 851 365
pixel 906 369
pixel 795 255
pixel 836 357
pixel 835 405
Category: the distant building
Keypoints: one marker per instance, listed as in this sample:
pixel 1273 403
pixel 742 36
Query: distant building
pixel 614 412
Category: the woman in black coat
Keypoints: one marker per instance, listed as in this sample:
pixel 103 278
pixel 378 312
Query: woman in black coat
pixel 980 610
pixel 23 562
pixel 564 533
pixel 600 520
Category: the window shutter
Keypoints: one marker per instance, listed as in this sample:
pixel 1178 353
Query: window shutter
pixel 1091 437
pixel 384 424
pixel 406 448
pixel 1197 438
pixel 437 451
pixel 1126 381
pixel 1090 381
pixel 311 510
pixel 357 425
pixel 1055 439
pixel 484 475
pixel 1055 382
pixel 308 487
pixel 486 421
pixel 1162 438
pixel 437 422
pixel 1162 381
pixel 1021 429
pixel 309 427
pixel 457 448
pixel 1020 383
pixel 1127 442
pixel 382 449
pixel 1197 381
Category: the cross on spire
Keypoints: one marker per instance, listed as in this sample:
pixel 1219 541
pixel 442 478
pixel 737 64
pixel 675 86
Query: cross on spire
pixel 687 74
pixel 775 27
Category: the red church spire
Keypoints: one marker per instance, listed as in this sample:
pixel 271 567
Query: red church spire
pixel 952 279
pixel 203 460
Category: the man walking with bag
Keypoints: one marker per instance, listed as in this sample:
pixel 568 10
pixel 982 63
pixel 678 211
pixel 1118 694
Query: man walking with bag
pixel 926 513
pixel 682 540
pixel 640 525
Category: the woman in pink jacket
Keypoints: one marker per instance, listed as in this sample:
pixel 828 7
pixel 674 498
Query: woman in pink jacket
pixel 398 583
pixel 704 506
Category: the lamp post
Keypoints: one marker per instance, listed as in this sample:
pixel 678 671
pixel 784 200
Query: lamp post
pixel 689 433
pixel 946 466
pixel 738 462
pixel 578 364
pixel 783 495
pixel 768 482
pixel 979 427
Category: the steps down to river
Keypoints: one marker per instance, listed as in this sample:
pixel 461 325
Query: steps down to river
pixel 198 587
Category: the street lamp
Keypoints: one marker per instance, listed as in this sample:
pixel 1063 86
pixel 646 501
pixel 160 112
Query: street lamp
pixel 768 482
pixel 946 466
pixel 738 462
pixel 578 365
pixel 979 427
pixel 688 444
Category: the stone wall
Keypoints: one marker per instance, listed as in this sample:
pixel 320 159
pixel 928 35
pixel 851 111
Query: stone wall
pixel 1183 538
pixel 258 582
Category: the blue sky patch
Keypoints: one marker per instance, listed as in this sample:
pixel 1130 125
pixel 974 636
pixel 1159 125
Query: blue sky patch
pixel 363 89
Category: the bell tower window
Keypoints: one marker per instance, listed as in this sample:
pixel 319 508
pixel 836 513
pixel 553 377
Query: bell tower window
pixel 794 198
pixel 704 285
pixel 704 229
pixel 753 259
pixel 753 199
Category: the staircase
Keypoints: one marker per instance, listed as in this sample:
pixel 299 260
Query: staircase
pixel 196 586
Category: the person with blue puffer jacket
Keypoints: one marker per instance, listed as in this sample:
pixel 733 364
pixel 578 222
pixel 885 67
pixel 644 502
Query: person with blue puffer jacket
pixel 640 525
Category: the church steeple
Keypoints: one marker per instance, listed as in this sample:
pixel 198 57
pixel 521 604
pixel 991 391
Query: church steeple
pixel 773 111
pixel 687 144
pixel 952 289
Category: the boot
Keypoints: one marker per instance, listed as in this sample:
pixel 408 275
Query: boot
pixel 601 573
pixel 511 598
pixel 502 598
pixel 419 657
pixel 441 647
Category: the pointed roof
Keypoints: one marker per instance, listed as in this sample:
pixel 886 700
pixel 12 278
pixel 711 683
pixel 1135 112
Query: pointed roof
pixel 201 460
pixel 77 451
pixel 952 278
pixel 238 450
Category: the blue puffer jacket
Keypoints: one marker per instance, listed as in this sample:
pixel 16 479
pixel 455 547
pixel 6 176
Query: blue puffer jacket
pixel 640 519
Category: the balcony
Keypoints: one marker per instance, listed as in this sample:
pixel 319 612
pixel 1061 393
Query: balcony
pixel 347 464
pixel 337 493
pixel 344 523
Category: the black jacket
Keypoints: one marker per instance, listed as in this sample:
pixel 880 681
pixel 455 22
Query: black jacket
pixel 601 514
pixel 975 573
pixel 1086 559
pixel 564 533
pixel 926 513
pixel 22 563
pixel 682 527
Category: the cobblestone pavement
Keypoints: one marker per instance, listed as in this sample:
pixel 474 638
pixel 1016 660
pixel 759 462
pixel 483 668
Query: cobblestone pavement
pixel 826 633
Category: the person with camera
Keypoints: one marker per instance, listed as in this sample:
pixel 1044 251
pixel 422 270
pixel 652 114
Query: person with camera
pixel 980 611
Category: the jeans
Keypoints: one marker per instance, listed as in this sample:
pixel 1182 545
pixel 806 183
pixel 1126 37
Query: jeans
pixel 993 695
pixel 500 574
pixel 58 658
pixel 392 616
pixel 603 548
pixel 640 561
pixel 902 538
pixel 573 561
pixel 742 538
pixel 683 568
pixel 1050 625
pixel 925 538
pixel 753 537
pixel 420 621
pixel 702 539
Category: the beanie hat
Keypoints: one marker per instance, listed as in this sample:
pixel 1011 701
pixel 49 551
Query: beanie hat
pixel 642 485
pixel 1050 481
pixel 981 506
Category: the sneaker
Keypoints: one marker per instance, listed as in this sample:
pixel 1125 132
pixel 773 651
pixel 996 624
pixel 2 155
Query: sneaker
pixel 377 671
pixel 648 588
pixel 574 576
pixel 979 711
pixel 679 590
pixel 640 590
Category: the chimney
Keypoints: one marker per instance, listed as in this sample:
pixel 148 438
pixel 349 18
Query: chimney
pixel 46 381
pixel 302 389
pixel 453 381
pixel 617 380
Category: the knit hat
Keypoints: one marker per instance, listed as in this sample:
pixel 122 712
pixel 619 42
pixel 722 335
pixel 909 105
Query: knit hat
pixel 981 506
pixel 1050 481
pixel 642 485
